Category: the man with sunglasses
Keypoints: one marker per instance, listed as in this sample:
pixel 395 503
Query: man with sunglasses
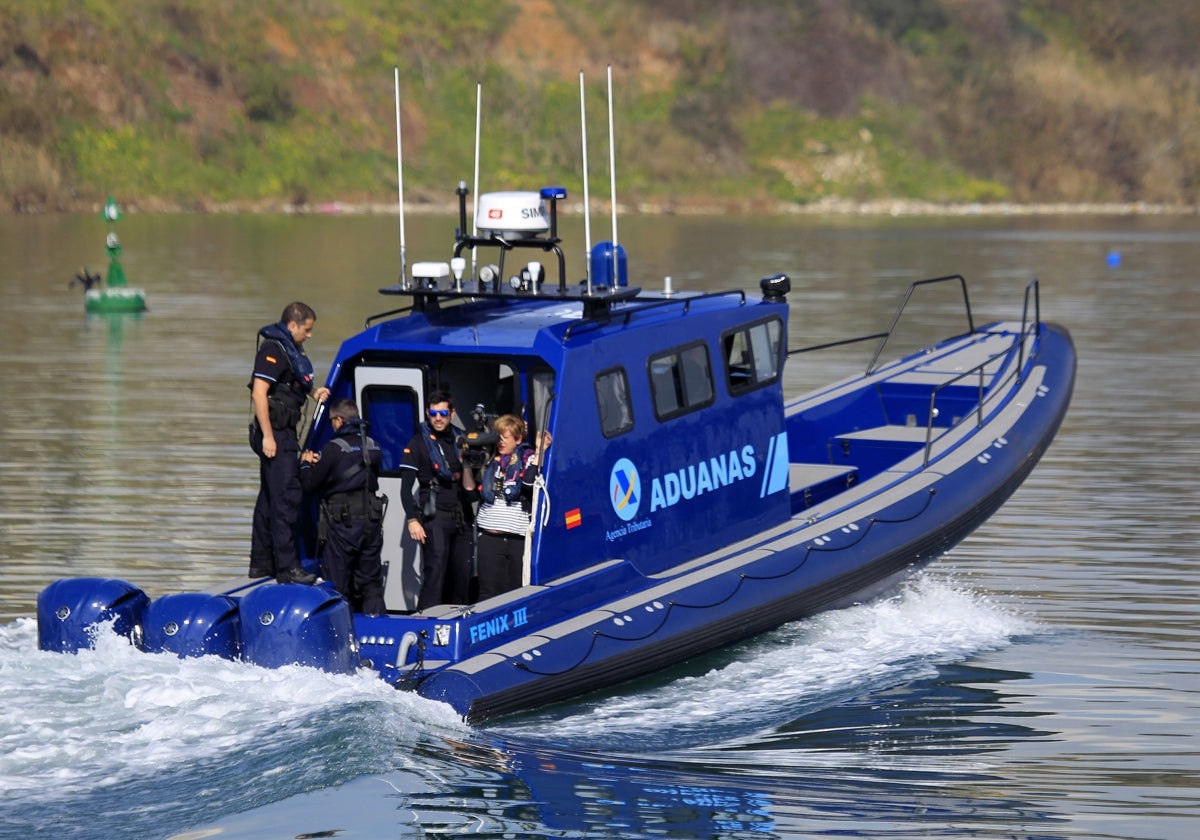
pixel 436 515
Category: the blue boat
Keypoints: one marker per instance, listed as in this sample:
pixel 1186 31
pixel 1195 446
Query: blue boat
pixel 687 502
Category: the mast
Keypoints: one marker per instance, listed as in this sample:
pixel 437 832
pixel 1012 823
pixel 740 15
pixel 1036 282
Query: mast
pixel 587 208
pixel 612 173
pixel 400 182
pixel 475 190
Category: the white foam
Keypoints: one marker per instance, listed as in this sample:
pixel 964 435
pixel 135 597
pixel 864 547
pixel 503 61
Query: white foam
pixel 805 665
pixel 99 717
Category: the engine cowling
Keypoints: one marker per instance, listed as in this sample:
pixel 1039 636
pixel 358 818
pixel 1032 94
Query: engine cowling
pixel 193 624
pixel 70 609
pixel 286 624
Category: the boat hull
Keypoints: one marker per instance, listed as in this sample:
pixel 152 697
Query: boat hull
pixel 723 512
pixel 802 569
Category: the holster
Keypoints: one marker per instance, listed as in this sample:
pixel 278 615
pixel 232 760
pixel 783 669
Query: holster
pixel 284 413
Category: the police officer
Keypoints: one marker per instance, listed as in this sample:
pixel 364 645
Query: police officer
pixel 436 515
pixel 346 473
pixel 281 382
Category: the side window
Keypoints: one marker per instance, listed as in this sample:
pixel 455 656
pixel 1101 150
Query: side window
pixel 681 380
pixel 752 356
pixel 612 402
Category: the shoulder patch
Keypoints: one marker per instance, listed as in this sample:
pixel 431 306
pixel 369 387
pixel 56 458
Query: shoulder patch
pixel 272 360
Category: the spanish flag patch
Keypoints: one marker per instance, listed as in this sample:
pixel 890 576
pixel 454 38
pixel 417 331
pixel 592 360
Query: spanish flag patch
pixel 271 359
pixel 573 518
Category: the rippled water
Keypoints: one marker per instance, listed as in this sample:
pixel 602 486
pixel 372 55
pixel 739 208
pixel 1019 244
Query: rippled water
pixel 1041 681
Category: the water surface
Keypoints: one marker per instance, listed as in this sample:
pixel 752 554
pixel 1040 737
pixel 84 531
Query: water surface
pixel 1040 681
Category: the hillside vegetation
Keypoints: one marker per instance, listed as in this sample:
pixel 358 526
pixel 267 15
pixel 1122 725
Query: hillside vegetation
pixel 753 104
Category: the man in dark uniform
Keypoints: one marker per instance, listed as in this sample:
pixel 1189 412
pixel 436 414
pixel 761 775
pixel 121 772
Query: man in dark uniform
pixel 282 381
pixel 436 517
pixel 346 473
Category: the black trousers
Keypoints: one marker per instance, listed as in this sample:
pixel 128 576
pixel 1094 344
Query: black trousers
pixel 350 561
pixel 445 562
pixel 273 534
pixel 501 562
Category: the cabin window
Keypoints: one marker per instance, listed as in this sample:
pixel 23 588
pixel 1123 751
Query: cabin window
pixel 485 387
pixel 612 402
pixel 752 356
pixel 681 380
pixel 393 416
pixel 541 392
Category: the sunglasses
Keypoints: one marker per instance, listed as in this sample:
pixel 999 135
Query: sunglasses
pixel 439 412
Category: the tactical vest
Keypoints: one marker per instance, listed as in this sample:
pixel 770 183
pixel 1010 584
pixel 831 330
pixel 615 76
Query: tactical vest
pixel 509 482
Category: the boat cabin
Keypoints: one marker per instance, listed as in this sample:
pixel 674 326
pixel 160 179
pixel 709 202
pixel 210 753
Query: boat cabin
pixel 665 409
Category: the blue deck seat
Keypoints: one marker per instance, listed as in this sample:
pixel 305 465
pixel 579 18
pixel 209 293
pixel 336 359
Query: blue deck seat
pixel 811 484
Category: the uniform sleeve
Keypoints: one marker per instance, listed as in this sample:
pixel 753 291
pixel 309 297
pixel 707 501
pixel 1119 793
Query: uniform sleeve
pixel 270 362
pixel 312 476
pixel 408 478
pixel 413 452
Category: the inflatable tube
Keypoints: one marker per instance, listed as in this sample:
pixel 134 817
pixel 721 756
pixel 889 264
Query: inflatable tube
pixel 193 624
pixel 296 624
pixel 68 610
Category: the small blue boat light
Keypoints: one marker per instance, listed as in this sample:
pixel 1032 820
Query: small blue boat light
pixel 603 270
pixel 1114 258
pixel 554 193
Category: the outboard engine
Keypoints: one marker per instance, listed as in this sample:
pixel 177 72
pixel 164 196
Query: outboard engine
pixel 295 624
pixel 193 624
pixel 68 610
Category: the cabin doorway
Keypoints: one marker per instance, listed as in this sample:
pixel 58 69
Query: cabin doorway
pixel 391 400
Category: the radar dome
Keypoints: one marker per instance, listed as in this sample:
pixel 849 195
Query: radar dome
pixel 511 215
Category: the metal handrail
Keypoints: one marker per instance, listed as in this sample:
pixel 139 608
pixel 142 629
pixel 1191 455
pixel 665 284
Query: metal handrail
pixel 628 314
pixel 1027 328
pixel 1037 315
pixel 979 368
pixel 887 334
pixel 387 314
pixel 832 344
pixel 900 311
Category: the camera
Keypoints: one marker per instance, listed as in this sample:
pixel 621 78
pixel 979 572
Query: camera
pixel 479 448
pixel 480 445
pixel 481 418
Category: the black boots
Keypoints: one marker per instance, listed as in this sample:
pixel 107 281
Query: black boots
pixel 295 574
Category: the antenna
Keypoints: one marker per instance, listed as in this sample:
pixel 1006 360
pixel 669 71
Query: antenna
pixel 612 171
pixel 587 209
pixel 475 191
pixel 400 183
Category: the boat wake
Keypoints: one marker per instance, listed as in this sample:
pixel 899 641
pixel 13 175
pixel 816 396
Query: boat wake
pixel 153 742
pixel 799 669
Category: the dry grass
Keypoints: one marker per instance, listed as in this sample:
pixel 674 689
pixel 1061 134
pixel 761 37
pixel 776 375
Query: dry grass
pixel 30 180
pixel 203 104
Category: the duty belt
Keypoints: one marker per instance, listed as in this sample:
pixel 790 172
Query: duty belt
pixel 353 503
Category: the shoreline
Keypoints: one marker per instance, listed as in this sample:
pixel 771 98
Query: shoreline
pixel 826 207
